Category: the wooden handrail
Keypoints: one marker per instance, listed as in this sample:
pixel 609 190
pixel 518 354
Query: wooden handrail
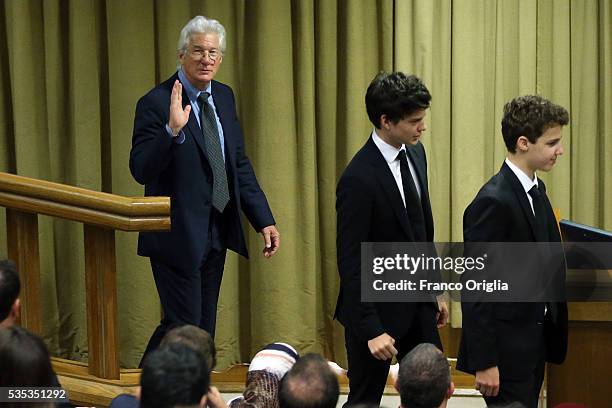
pixel 86 206
pixel 101 214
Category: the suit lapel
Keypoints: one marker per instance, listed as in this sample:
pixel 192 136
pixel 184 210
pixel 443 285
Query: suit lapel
pixel 193 127
pixel 422 177
pixel 416 161
pixel 521 197
pixel 389 186
pixel 553 228
pixel 224 110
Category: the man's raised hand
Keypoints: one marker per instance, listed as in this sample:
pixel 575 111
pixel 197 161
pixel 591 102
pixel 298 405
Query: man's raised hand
pixel 178 116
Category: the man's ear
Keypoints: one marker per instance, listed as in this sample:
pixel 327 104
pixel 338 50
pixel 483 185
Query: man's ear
pixel 451 390
pixel 203 401
pixel 138 392
pixel 16 308
pixel 522 144
pixel 384 121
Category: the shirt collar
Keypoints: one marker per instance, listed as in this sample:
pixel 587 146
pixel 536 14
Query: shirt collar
pixel 192 91
pixel 389 152
pixel 526 182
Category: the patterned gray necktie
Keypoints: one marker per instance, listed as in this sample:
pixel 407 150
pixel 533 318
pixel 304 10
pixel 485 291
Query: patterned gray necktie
pixel 220 196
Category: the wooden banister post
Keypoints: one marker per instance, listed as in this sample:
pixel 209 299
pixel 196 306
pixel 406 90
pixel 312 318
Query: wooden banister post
pixel 101 287
pixel 22 234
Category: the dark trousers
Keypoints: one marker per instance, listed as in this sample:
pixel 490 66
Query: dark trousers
pixel 525 391
pixel 368 375
pixel 190 296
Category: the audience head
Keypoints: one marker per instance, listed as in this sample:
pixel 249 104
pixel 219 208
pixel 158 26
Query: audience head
pixel 275 358
pixel 9 293
pixel 424 379
pixel 175 375
pixel 24 359
pixel 196 338
pixel 309 384
pixel 395 95
pixel 530 116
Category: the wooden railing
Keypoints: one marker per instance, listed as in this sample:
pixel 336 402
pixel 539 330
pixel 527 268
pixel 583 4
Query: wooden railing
pixel 101 214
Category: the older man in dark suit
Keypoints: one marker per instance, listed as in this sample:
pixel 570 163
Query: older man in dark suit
pixel 506 344
pixel 382 196
pixel 188 145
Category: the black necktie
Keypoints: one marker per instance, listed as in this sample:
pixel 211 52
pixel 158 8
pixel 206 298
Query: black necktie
pixel 414 209
pixel 540 214
pixel 220 196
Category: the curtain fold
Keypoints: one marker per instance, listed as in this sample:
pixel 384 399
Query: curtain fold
pixel 71 73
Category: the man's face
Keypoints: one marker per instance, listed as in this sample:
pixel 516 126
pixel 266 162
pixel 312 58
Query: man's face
pixel 198 66
pixel 542 155
pixel 407 130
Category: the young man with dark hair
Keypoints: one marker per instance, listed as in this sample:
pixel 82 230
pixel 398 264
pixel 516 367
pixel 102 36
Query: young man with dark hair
pixel 506 345
pixel 189 336
pixel 309 384
pixel 9 293
pixel 176 375
pixel 24 360
pixel 382 196
pixel 424 379
pixel 196 338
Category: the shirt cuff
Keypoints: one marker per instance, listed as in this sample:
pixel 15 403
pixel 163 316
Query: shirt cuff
pixel 178 139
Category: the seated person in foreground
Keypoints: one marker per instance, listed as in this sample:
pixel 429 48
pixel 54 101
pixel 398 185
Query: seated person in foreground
pixel 265 372
pixel 177 375
pixel 191 336
pixel 9 294
pixel 25 362
pixel 424 379
pixel 310 383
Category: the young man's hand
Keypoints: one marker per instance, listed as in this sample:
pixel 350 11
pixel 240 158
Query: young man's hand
pixel 487 381
pixel 381 347
pixel 442 315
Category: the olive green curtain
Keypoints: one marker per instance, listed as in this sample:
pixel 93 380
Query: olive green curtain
pixel 72 71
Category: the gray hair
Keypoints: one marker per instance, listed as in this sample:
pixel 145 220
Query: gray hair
pixel 197 25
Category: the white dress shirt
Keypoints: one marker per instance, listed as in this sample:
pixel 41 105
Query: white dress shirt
pixel 390 154
pixel 526 182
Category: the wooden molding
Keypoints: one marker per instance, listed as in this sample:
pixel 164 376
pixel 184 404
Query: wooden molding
pixel 86 206
pixel 22 242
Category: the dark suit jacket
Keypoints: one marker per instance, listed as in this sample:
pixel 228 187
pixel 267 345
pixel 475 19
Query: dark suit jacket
pixel 182 172
pixel 505 334
pixel 370 209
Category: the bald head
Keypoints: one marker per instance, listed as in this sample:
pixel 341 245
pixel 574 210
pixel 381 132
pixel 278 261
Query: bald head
pixel 309 384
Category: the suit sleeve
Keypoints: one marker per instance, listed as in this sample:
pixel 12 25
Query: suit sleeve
pixel 483 221
pixel 151 145
pixel 252 198
pixel 354 206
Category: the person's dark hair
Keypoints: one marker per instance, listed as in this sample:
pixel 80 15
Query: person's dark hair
pixel 309 384
pixel 24 359
pixel 424 377
pixel 196 338
pixel 173 375
pixel 396 95
pixel 9 287
pixel 530 116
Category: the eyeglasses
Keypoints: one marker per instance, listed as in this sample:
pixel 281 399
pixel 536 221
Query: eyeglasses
pixel 212 55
